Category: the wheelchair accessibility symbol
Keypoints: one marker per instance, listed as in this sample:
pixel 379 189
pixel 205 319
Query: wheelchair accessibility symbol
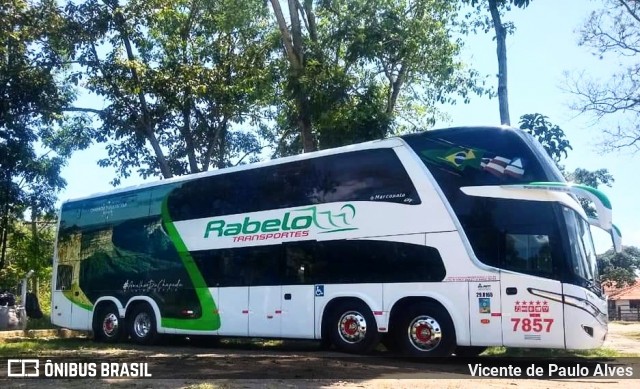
pixel 319 290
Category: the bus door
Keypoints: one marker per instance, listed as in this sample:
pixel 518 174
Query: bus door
pixel 265 311
pixel 298 291
pixel 233 306
pixel 532 311
pixel 67 271
pixel 286 311
pixel 61 306
pixel 298 310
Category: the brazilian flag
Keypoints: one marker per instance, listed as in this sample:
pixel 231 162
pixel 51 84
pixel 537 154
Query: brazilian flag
pixel 455 157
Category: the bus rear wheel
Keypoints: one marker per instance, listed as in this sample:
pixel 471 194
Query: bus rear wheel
pixel 353 327
pixel 107 325
pixel 425 330
pixel 142 325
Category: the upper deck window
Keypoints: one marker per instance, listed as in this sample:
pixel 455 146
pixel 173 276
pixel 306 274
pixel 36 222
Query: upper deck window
pixel 365 175
pixel 476 156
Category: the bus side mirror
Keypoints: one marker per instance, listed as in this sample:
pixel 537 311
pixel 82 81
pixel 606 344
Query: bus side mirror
pixel 614 231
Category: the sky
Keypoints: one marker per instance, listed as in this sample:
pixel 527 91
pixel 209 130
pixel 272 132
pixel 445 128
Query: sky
pixel 542 50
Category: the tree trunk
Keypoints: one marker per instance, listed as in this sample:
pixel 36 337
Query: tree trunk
pixel 5 218
pixel 501 37
pixel 222 145
pixel 395 87
pixel 35 241
pixel 304 119
pixel 293 47
pixel 186 133
pixel 146 117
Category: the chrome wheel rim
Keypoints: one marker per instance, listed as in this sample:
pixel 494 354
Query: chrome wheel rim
pixel 352 327
pixel 424 333
pixel 110 325
pixel 142 325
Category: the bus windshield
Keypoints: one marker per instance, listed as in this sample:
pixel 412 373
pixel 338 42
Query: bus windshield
pixel 539 238
pixel 583 264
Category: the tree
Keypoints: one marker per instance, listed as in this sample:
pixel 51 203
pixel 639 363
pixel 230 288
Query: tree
pixel 619 269
pixel 351 68
pixel 550 136
pixel 29 247
pixel 33 55
pixel 501 29
pixel 613 30
pixel 182 81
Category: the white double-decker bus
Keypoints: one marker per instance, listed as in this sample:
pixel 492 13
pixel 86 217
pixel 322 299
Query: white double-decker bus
pixel 442 242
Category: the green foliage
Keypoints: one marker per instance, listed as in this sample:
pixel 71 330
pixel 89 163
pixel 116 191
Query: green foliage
pixel 619 269
pixel 550 136
pixel 33 52
pixel 369 69
pixel 557 146
pixel 593 179
pixel 28 251
pixel 481 20
pixel 184 82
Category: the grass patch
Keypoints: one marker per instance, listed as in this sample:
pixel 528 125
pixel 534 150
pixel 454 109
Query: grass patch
pixel 555 353
pixel 43 323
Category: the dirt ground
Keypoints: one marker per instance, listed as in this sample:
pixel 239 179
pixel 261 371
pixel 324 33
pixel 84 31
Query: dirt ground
pixel 624 337
pixel 305 366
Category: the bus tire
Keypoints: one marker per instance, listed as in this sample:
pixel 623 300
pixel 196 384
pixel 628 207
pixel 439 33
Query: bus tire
pixel 142 325
pixel 108 326
pixel 352 327
pixel 425 330
pixel 469 351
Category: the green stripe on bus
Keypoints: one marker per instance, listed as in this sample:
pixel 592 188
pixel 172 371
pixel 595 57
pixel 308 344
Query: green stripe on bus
pixel 210 319
pixel 601 196
pixel 617 230
pixel 70 296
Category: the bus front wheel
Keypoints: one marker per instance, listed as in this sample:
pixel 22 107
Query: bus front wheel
pixel 425 329
pixel 142 324
pixel 353 327
pixel 108 327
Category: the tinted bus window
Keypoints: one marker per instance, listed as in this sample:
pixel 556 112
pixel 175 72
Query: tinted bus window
pixel 366 175
pixel 522 236
pixel 312 262
pixel 64 277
